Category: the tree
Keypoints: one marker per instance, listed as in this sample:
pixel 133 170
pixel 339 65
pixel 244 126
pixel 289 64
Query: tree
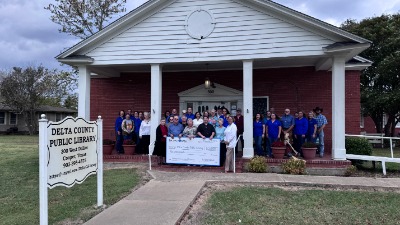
pixel 380 83
pixel 26 90
pixel 82 18
pixel 71 102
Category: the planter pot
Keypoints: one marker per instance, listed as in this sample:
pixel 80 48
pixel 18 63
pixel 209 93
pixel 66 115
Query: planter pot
pixel 309 153
pixel 278 152
pixel 107 149
pixel 129 149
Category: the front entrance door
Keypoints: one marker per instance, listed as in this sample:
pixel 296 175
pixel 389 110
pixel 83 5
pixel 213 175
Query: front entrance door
pixel 201 99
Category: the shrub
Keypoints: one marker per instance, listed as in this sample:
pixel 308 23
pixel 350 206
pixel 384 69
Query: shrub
pixel 278 144
pixel 294 166
pixel 350 171
pixel 309 145
pixel 108 142
pixel 257 165
pixel 358 146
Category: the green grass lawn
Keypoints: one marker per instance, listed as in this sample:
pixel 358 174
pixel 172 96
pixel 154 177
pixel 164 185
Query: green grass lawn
pixel 19 195
pixel 258 205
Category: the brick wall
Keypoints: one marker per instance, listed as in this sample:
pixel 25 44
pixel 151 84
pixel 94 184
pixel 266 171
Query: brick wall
pixel 295 88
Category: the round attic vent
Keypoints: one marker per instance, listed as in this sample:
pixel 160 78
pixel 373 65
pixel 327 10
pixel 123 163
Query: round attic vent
pixel 200 24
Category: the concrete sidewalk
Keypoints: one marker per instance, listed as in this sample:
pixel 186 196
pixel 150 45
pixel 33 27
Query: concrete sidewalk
pixel 164 199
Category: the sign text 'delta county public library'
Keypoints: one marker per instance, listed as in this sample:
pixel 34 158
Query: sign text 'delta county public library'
pixel 72 151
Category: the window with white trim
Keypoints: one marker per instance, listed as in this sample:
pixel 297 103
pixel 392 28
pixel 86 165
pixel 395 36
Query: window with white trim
pixel 58 117
pixel 2 118
pixel 13 119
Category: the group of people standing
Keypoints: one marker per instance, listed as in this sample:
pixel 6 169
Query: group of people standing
pixel 135 127
pixel 298 128
pixel 209 125
pixel 214 124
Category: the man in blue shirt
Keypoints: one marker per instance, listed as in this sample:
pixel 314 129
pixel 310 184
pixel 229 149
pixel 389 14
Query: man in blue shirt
pixel 287 122
pixel 175 129
pixel 190 114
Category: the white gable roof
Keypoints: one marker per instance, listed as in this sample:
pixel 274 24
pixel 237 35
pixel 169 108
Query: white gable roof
pixel 219 90
pixel 247 29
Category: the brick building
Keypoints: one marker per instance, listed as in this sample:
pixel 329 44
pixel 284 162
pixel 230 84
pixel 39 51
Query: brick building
pixel 258 54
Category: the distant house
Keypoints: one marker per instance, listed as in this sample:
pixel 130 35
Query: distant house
pixel 249 54
pixel 10 119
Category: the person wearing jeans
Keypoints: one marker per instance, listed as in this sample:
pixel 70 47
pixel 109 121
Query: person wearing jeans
pixel 321 123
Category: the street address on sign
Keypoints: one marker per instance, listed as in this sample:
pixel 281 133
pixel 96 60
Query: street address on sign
pixel 72 151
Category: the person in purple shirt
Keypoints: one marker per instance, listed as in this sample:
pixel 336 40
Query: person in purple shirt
pixel 273 129
pixel 300 131
pixel 312 128
pixel 258 134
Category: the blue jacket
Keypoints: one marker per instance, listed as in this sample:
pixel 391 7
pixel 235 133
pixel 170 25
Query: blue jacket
pixel 118 123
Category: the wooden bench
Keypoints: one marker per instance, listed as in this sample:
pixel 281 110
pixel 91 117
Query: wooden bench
pixel 374 158
pixel 374 141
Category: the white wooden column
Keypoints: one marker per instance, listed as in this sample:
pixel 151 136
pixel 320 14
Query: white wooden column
pixel 338 108
pixel 84 92
pixel 156 99
pixel 247 110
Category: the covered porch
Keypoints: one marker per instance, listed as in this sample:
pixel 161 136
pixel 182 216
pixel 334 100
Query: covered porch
pixel 292 83
pixel 256 48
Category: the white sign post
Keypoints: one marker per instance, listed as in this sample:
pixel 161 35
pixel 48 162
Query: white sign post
pixel 69 151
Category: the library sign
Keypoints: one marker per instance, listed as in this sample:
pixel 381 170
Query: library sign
pixel 72 151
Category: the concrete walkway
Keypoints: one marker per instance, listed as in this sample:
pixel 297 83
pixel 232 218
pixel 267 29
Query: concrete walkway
pixel 164 199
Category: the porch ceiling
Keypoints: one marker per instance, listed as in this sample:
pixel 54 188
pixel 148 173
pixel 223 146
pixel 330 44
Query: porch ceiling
pixel 116 70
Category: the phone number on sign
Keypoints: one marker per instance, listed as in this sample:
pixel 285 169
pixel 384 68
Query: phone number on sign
pixel 73 163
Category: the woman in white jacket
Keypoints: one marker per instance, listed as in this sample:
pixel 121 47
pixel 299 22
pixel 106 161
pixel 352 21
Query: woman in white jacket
pixel 230 141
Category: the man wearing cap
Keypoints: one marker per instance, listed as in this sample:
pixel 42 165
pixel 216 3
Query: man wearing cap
pixel 321 123
pixel 240 126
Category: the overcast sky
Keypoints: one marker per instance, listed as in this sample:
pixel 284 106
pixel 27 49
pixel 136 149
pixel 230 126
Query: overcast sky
pixel 28 37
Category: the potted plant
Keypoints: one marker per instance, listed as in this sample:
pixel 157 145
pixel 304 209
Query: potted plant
pixel 129 147
pixel 108 146
pixel 309 150
pixel 278 149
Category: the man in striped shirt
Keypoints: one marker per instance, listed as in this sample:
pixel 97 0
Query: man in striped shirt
pixel 321 123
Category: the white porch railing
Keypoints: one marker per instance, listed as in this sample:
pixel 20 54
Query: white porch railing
pixel 375 158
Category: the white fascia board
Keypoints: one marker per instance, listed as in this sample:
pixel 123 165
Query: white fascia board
pixel 303 18
pixel 116 27
pixel 357 66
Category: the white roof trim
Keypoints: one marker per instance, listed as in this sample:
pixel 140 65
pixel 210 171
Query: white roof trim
pixel 147 8
pixel 310 20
